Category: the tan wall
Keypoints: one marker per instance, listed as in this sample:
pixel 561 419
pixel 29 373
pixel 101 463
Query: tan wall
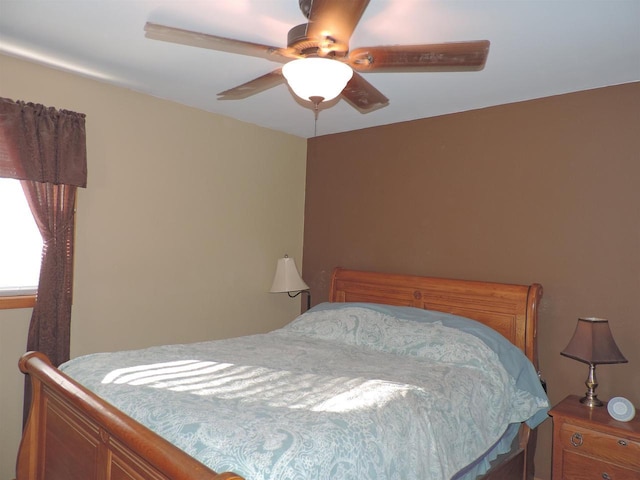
pixel 178 232
pixel 543 191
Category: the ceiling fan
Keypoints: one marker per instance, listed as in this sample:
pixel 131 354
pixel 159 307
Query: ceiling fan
pixel 323 42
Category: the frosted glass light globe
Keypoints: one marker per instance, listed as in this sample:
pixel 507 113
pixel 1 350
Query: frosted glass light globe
pixel 317 77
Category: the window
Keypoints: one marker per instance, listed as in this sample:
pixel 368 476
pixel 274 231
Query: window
pixel 20 247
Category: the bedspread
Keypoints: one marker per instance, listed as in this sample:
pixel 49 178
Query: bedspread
pixel 340 393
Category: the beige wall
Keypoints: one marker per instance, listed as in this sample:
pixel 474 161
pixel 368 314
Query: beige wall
pixel 178 232
pixel 543 191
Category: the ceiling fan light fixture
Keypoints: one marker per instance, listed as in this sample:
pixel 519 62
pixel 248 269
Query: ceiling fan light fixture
pixel 317 77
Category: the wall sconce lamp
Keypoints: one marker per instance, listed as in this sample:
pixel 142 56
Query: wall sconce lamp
pixel 593 343
pixel 287 279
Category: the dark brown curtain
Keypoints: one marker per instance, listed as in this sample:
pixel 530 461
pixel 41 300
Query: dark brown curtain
pixel 53 208
pixel 46 149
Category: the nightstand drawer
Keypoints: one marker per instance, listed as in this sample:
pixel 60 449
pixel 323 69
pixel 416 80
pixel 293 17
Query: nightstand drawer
pixel 579 467
pixel 600 445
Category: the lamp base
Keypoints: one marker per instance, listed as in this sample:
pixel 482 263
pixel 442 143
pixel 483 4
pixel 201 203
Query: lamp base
pixel 591 401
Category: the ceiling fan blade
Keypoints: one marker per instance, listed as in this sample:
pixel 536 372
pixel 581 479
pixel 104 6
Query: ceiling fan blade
pixel 254 86
pixel 213 42
pixel 453 56
pixel 336 19
pixel 363 96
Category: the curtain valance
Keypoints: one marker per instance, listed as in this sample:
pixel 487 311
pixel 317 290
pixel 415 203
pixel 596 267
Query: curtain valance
pixel 42 144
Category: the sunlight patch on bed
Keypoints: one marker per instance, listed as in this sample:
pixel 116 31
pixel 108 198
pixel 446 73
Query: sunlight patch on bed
pixel 369 394
pixel 154 373
pixel 228 381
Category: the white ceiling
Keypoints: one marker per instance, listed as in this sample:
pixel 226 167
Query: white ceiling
pixel 538 48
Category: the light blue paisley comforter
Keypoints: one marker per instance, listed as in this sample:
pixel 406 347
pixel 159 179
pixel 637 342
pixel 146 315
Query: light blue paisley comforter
pixel 346 391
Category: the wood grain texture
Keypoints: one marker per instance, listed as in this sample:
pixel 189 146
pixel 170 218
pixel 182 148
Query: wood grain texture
pixel 588 443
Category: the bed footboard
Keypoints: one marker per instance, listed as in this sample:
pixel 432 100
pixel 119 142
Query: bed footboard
pixel 71 434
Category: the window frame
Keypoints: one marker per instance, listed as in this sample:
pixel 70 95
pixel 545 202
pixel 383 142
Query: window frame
pixel 17 301
pixel 14 299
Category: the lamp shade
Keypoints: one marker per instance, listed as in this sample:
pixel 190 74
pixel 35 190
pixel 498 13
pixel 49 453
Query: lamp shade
pixel 593 343
pixel 287 277
pixel 317 77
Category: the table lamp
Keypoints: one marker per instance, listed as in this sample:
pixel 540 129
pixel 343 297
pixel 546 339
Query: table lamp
pixel 593 343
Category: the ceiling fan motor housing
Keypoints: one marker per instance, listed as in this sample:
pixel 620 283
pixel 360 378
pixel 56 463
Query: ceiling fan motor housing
pixel 298 39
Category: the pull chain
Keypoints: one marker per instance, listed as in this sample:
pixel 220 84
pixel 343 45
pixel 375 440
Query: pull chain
pixel 316 103
pixel 315 121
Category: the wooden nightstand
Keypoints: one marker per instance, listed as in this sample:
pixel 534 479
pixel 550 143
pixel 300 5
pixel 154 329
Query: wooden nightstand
pixel 589 444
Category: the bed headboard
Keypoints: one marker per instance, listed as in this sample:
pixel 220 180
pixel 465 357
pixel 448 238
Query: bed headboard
pixel 510 309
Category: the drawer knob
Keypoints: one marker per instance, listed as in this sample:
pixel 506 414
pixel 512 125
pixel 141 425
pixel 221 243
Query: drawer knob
pixel 622 443
pixel 576 440
pixel 606 476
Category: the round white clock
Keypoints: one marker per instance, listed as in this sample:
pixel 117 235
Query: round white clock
pixel 621 409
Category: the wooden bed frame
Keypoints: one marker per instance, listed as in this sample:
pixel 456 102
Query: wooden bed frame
pixel 71 434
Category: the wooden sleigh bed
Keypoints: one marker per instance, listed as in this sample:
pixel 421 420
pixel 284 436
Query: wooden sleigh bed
pixel 73 434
